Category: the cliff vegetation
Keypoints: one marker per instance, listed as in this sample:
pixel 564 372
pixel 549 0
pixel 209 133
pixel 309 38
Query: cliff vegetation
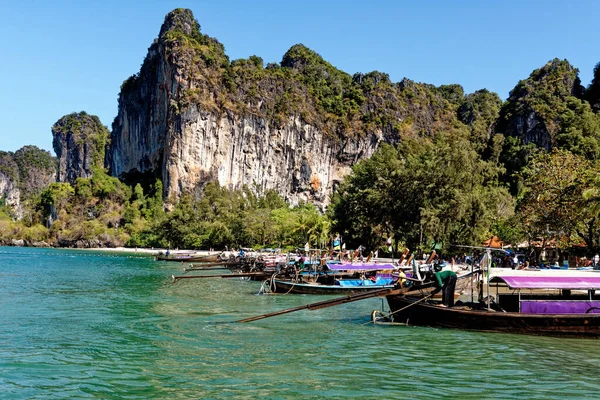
pixel 302 84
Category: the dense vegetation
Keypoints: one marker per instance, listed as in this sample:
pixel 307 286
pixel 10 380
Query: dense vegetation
pixel 541 146
pixel 421 192
pixel 102 211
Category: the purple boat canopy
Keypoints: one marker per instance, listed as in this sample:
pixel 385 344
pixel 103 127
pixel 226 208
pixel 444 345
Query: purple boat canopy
pixel 549 282
pixel 359 267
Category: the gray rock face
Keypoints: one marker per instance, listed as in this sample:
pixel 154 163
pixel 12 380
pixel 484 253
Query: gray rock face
pixel 139 131
pixel 79 140
pixel 532 129
pixel 297 160
pixel 10 193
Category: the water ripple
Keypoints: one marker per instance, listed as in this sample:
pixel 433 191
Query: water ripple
pixel 87 326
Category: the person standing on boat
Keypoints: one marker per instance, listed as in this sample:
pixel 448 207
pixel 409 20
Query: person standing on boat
pixel 446 282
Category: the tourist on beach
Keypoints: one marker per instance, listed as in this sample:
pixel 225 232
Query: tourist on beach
pixel 446 282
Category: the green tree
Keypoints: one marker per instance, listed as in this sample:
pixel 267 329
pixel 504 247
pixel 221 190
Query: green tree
pixel 552 204
pixel 421 191
pixel 56 198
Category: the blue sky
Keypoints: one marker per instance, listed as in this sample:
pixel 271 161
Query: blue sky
pixel 58 57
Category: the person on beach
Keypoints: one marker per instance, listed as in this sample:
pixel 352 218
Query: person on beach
pixel 446 282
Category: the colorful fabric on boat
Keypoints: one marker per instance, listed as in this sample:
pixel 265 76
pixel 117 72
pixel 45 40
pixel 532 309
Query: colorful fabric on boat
pixel 358 266
pixel 365 282
pixel 559 307
pixel 549 282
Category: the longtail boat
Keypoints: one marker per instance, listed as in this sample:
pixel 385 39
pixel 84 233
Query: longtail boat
pixel 339 278
pixel 338 287
pixel 525 302
pixel 192 257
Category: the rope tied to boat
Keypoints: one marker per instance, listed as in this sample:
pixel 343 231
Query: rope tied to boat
pixel 397 311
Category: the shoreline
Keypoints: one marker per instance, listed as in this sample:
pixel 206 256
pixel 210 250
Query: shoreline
pixel 129 251
pixel 142 251
pixel 121 249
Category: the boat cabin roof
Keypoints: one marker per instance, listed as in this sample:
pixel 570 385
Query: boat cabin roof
pixel 359 266
pixel 582 282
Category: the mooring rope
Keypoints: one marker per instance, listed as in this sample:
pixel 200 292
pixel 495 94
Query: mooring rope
pixel 402 309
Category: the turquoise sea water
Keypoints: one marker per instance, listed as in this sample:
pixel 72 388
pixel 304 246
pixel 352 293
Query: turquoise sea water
pixel 78 324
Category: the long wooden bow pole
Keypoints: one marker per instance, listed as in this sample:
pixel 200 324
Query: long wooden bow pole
pixel 176 278
pixel 324 304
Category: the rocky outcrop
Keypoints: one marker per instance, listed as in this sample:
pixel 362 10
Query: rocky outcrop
pixel 533 109
pixel 37 170
pixel 23 175
pixel 9 192
pixel 79 140
pixel 9 179
pixel 190 116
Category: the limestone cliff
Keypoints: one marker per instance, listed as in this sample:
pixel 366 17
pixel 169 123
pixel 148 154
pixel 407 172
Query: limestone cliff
pixel 191 115
pixel 79 141
pixel 9 179
pixel 24 174
pixel 534 107
pixel 37 170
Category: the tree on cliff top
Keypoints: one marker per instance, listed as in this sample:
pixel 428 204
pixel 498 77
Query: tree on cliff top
pixel 540 97
pixel 303 84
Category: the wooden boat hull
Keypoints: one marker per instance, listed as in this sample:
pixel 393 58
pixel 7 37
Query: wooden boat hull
pixel 407 311
pixel 279 286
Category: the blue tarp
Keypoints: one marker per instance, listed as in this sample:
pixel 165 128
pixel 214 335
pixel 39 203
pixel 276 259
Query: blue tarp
pixel 365 282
